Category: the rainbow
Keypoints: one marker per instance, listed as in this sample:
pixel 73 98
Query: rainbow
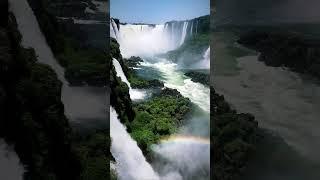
pixel 185 139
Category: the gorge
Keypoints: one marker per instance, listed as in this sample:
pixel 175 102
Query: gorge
pixel 191 129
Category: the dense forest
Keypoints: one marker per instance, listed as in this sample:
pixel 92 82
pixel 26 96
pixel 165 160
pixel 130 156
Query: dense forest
pixel 32 114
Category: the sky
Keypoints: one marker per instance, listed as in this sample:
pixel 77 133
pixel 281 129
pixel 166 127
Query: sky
pixel 268 11
pixel 157 11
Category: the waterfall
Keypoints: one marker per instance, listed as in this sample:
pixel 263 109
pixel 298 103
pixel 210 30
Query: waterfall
pixel 143 40
pixel 130 162
pixel 149 40
pixel 10 165
pixel 184 32
pixel 197 26
pixel 135 94
pixel 120 72
pixel 191 28
pixel 113 29
pixel 206 58
pixel 72 97
pixel 32 35
pixel 175 79
pixel 205 62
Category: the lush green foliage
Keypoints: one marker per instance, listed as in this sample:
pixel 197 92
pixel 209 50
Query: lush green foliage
pixel 119 96
pixel 32 118
pixel 82 65
pixel 234 137
pixel 141 83
pixel 32 115
pixel 93 150
pixel 158 117
pixel 199 77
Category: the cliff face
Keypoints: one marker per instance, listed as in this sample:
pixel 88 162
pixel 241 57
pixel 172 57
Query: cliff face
pixel 119 96
pixel 286 49
pixel 32 114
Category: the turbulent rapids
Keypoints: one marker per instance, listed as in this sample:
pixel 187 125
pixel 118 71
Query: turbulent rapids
pixel 187 154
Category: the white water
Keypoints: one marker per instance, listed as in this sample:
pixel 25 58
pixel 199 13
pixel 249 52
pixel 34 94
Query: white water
pixel 175 79
pixel 135 94
pixel 184 32
pixel 205 62
pixel 147 40
pixel 141 40
pixel 81 103
pixel 189 157
pixel 114 30
pixel 10 166
pixel 130 162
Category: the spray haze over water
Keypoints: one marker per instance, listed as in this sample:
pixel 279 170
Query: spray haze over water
pixel 185 157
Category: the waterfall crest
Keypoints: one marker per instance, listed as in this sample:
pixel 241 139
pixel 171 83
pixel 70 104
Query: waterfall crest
pixel 148 40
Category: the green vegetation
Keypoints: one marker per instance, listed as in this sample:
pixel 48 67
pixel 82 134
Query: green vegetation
pixel 83 65
pixel 193 47
pixel 199 77
pixel 93 151
pixel 87 66
pixel 150 120
pixel 32 114
pixel 119 96
pixel 32 118
pixel 234 137
pixel 158 117
pixel 296 51
pixel 140 83
pixel 135 80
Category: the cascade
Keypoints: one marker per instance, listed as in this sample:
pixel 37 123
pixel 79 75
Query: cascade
pixel 184 32
pixel 148 40
pixel 72 97
pixel 10 165
pixel 114 29
pixel 134 93
pixel 206 58
pixel 197 27
pixel 191 28
pixel 130 162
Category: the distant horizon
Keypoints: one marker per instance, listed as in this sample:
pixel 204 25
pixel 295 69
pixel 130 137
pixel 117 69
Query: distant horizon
pixel 158 12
